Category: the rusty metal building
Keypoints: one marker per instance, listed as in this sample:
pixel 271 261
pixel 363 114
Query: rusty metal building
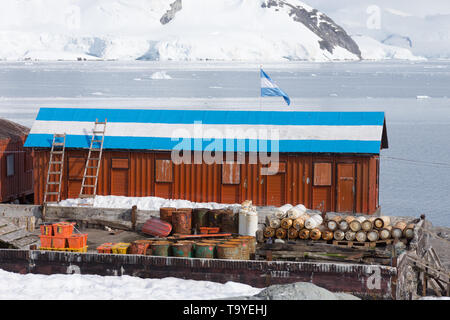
pixel 16 164
pixel 328 159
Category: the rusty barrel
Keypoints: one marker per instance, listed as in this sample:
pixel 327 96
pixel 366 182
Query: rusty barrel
pixel 182 221
pixel 140 246
pixel 183 249
pixel 205 250
pixel 160 248
pixel 243 244
pixel 251 242
pixel 199 218
pixel 214 218
pixel 228 251
pixel 229 221
pixel 165 213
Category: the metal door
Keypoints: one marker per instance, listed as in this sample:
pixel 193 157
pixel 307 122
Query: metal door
pixel 345 199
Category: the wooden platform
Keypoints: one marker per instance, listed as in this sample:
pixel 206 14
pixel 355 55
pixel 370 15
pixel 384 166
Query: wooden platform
pixel 354 244
pixel 15 237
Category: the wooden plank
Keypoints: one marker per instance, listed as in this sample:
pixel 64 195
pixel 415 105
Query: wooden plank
pixel 15 235
pixel 25 242
pixel 8 229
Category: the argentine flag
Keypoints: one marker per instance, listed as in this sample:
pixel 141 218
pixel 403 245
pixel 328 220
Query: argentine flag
pixel 270 89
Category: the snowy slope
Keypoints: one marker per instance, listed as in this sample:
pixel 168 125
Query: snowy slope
pixel 422 27
pixel 182 30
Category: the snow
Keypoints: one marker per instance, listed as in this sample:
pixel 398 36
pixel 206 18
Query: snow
pixel 143 203
pixel 425 23
pixel 160 75
pixel 231 30
pixel 93 287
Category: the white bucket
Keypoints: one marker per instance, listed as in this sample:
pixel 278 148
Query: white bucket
pixel 242 222
pixel 251 224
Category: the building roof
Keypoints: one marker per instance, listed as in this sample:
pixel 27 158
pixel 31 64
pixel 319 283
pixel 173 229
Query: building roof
pixel 12 130
pixel 249 131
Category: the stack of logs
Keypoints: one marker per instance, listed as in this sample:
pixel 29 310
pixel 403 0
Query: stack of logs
pixel 349 228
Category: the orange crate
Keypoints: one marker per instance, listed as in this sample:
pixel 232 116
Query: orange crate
pixel 47 230
pixel 77 241
pixel 46 241
pixel 63 228
pixel 105 248
pixel 59 242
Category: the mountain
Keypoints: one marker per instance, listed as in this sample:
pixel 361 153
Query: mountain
pixel 421 27
pixel 180 30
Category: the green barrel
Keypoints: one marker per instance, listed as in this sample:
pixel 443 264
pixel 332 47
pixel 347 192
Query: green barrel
pixel 199 218
pixel 183 249
pixel 205 250
pixel 160 248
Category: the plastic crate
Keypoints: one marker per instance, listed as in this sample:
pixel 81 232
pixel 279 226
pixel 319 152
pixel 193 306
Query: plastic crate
pixel 63 228
pixel 46 229
pixel 46 241
pixel 59 242
pixel 77 241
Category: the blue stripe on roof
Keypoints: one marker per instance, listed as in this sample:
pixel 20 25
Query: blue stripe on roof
pixel 213 116
pixel 149 143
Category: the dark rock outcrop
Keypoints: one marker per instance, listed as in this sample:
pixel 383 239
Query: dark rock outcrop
pixel 332 35
pixel 170 14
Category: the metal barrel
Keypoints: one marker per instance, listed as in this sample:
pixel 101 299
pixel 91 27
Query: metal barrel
pixel 245 250
pixel 182 249
pixel 214 218
pixel 165 213
pixel 228 251
pixel 205 250
pixel 251 242
pixel 199 218
pixel 229 221
pixel 160 248
pixel 182 221
pixel 140 246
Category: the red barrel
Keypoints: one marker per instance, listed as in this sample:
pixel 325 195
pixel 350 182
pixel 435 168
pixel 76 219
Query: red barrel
pixel 182 221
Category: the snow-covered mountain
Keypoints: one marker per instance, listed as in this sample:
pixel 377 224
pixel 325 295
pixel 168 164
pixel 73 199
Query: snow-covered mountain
pixel 421 27
pixel 182 30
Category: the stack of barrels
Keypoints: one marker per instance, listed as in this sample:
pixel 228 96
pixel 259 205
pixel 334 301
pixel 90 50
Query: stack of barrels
pixel 189 221
pixel 235 248
pixel 292 225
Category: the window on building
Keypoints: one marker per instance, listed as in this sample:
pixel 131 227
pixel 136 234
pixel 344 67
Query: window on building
pixel 322 174
pixel 231 173
pixel 10 165
pixel 163 170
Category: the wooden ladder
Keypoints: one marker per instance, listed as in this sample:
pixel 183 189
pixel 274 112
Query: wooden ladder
pixel 93 160
pixel 58 149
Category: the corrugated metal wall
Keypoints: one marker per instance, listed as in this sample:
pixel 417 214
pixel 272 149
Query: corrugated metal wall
pixel 21 182
pixel 139 174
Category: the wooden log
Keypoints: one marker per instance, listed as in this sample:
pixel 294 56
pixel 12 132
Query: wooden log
pixel 366 225
pixel 292 233
pixel 408 232
pixel 343 225
pixel 286 223
pixel 381 222
pixel 397 229
pixel 327 235
pixel 361 236
pixel 373 235
pixel 339 235
pixel 385 233
pixel 281 233
pixel 303 234
pixel 269 232
pixel 333 223
pixel 274 222
pixel 349 219
pixel 299 223
pixel 313 222
pixel 350 235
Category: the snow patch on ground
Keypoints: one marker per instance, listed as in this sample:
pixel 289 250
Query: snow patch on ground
pixel 160 75
pixel 142 203
pixel 91 287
